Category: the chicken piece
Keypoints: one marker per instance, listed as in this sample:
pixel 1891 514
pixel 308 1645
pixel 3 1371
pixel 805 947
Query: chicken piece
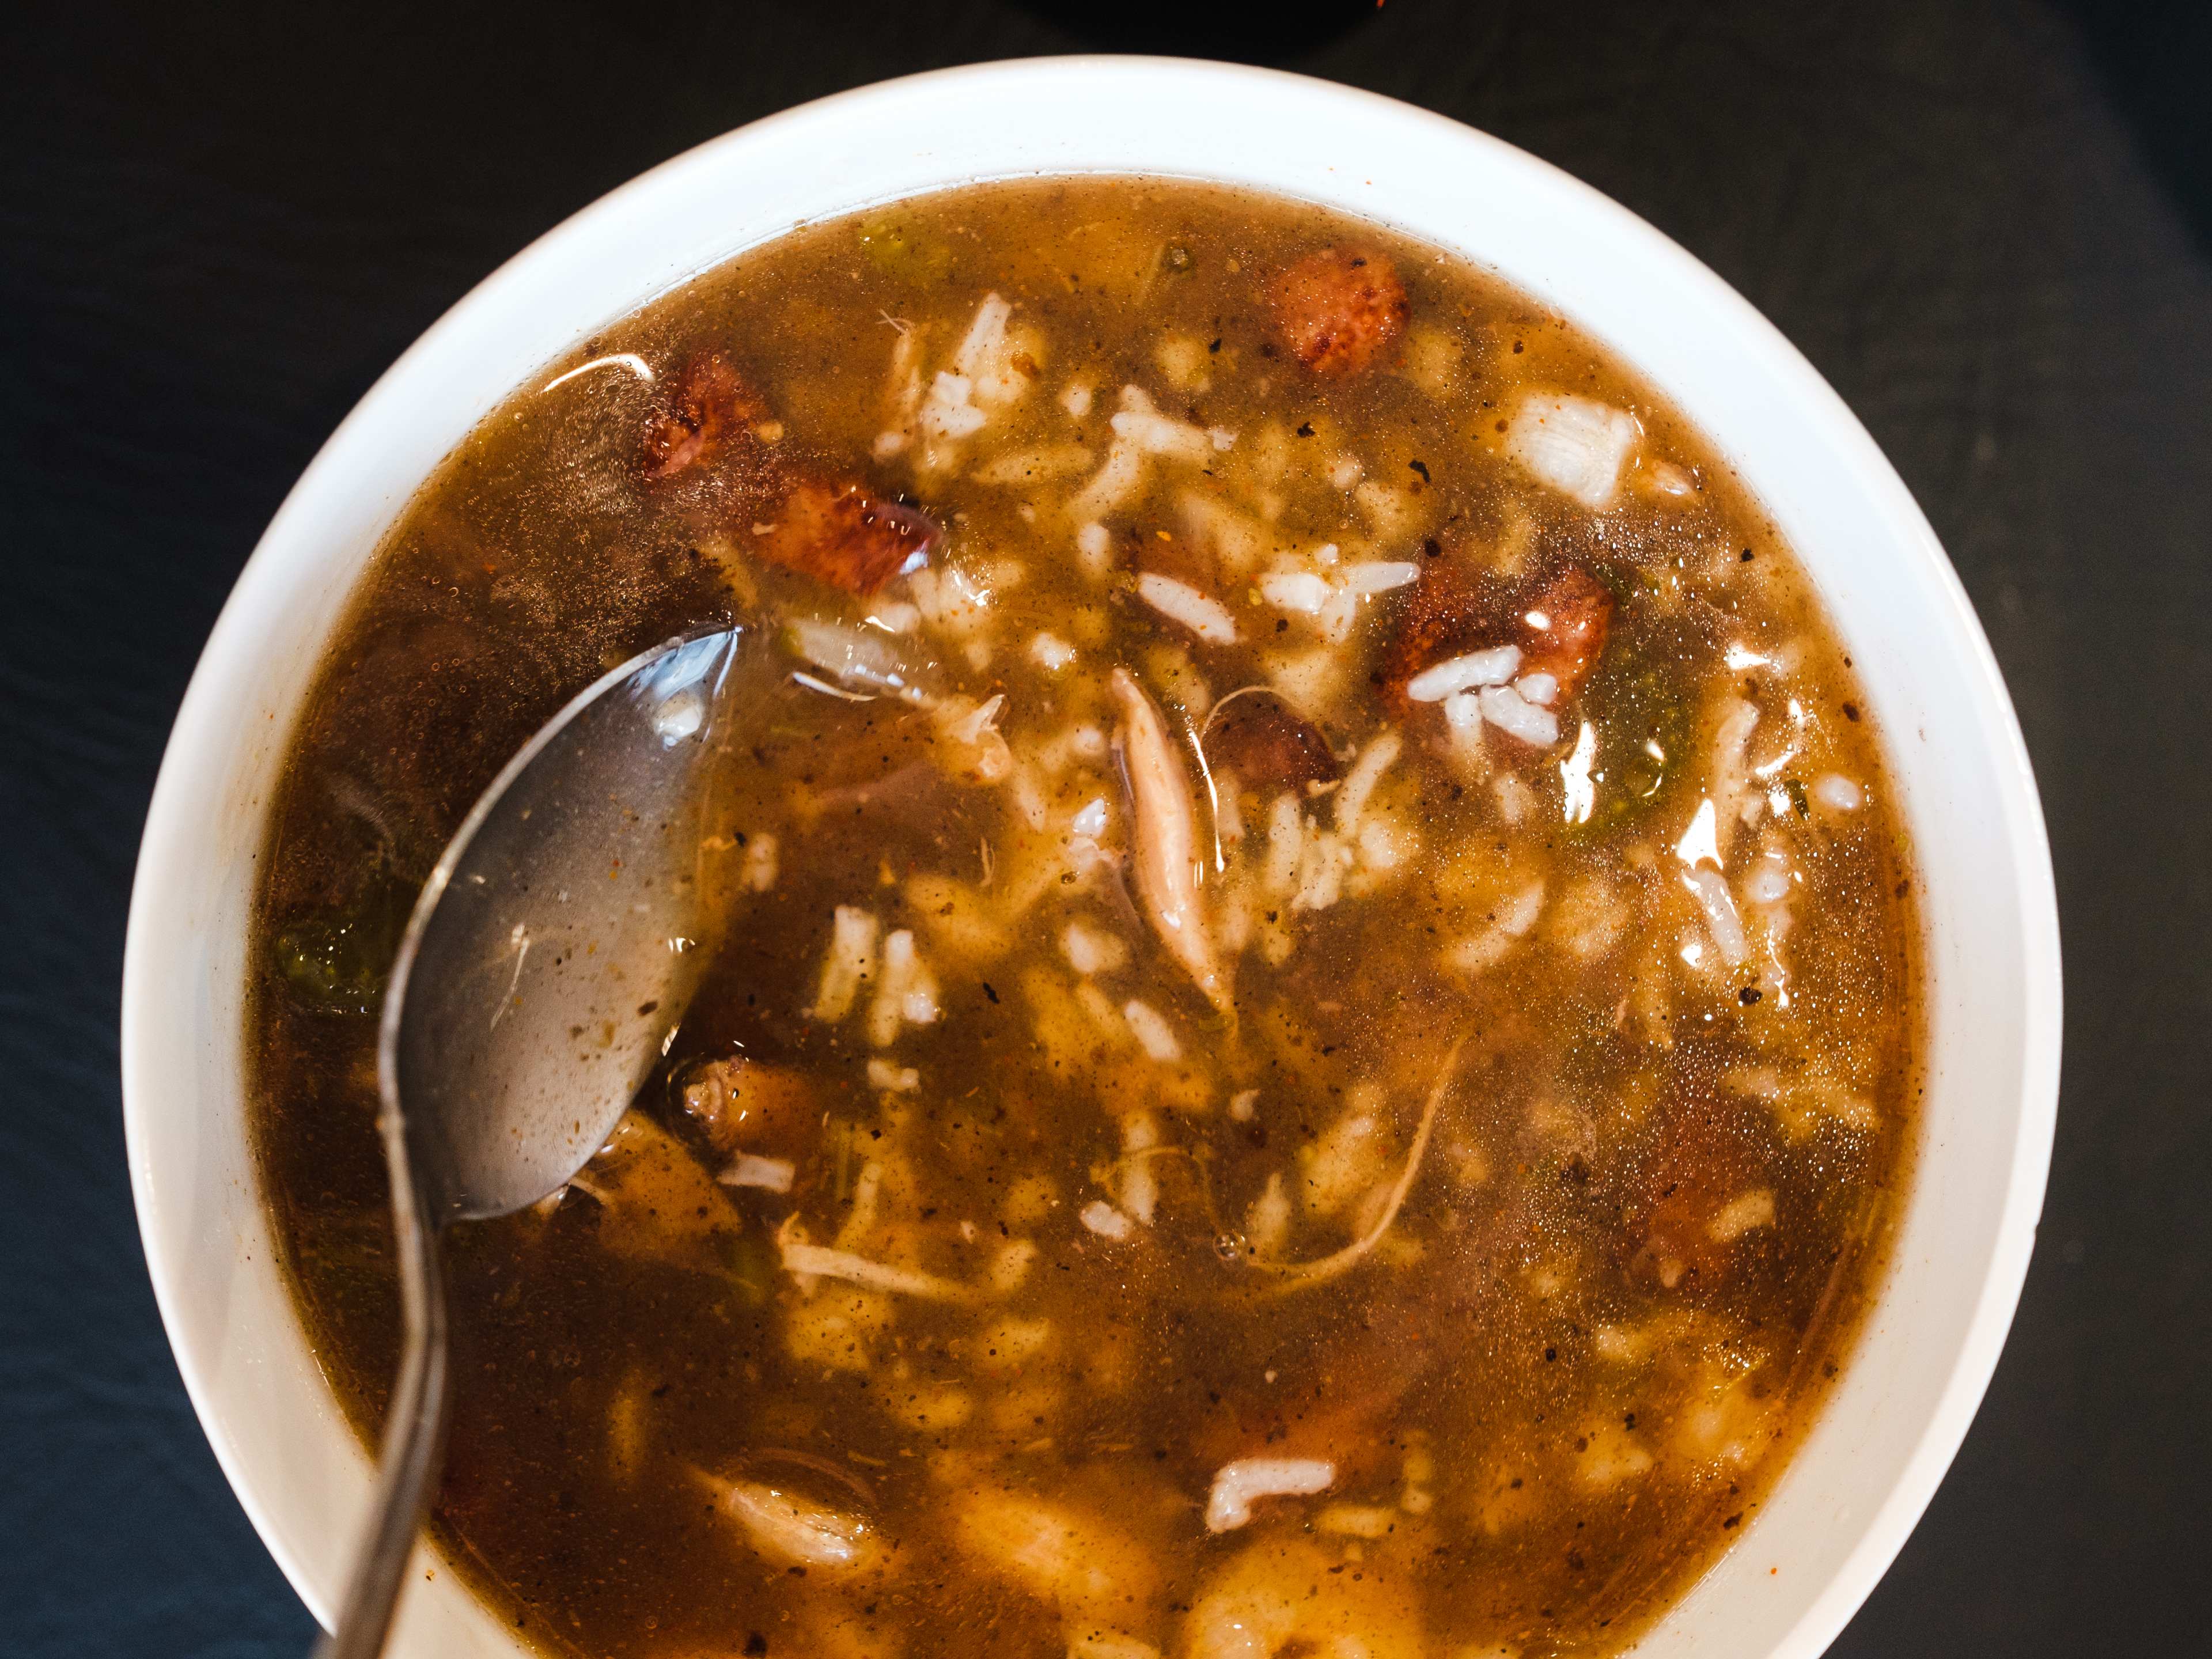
pixel 1165 836
pixel 656 1200
pixel 1060 1554
pixel 792 1529
pixel 1291 1596
pixel 1340 308
pixel 709 406
pixel 841 534
pixel 742 1103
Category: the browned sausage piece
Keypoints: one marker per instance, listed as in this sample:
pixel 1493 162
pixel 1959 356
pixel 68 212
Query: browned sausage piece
pixel 1677 1191
pixel 1443 612
pixel 1576 608
pixel 1447 612
pixel 1261 739
pixel 1338 309
pixel 709 404
pixel 842 535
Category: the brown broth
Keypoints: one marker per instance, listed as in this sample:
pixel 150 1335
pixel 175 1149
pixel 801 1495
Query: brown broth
pixel 1657 1192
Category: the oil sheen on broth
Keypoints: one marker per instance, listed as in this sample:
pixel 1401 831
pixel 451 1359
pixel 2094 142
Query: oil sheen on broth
pixel 1321 1020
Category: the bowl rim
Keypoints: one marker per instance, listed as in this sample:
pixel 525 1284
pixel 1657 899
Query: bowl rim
pixel 198 732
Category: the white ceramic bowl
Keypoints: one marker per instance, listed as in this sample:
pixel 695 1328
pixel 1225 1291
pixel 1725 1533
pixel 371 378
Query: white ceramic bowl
pixel 1852 1493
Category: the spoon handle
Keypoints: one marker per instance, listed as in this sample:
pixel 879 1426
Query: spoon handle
pixel 414 1426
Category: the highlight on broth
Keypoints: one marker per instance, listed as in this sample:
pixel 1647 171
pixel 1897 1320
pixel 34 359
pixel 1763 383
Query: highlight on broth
pixel 1319 1033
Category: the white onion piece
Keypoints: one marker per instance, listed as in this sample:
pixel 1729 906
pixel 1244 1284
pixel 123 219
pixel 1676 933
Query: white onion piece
pixel 771 1175
pixel 1576 445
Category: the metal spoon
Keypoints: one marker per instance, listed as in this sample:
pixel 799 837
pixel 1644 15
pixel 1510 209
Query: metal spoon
pixel 548 961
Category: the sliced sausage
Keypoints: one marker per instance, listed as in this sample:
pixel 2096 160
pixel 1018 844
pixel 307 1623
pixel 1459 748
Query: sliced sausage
pixel 1443 613
pixel 1448 612
pixel 1340 308
pixel 709 404
pixel 841 534
pixel 1576 610
pixel 1259 736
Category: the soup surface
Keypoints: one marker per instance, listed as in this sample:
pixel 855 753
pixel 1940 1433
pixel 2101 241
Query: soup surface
pixel 1320 1029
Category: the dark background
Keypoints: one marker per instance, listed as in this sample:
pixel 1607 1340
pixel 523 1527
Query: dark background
pixel 1988 222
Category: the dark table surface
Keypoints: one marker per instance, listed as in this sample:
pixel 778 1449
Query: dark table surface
pixel 1988 222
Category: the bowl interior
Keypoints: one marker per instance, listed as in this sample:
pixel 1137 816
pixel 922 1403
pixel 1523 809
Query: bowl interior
pixel 1853 1490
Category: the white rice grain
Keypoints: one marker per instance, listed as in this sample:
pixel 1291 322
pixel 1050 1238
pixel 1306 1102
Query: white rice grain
pixel 1154 1033
pixel 1741 1215
pixel 1373 576
pixel 907 995
pixel 1578 792
pixel 1839 794
pixel 947 411
pixel 1707 886
pixel 1180 602
pixel 1089 951
pixel 1095 547
pixel 1103 1218
pixel 899 1079
pixel 1509 924
pixel 1229 1504
pixel 1504 708
pixel 1769 880
pixel 1285 844
pixel 1477 668
pixel 1297 591
pixel 1352 795
pixel 1138 423
pixel 850 963
pixel 1539 688
pixel 1119 477
pixel 759 871
pixel 1051 652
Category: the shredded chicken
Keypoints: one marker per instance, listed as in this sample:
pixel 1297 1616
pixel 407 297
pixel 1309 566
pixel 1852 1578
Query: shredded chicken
pixel 1299 1275
pixel 1166 838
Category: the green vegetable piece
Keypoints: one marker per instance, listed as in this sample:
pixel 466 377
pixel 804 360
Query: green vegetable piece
pixel 893 249
pixel 1642 708
pixel 337 966
pixel 752 1261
